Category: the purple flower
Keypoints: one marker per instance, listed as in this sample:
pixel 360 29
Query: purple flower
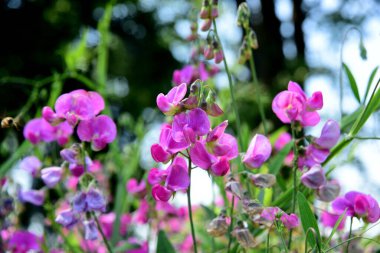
pixel 62 133
pixel 161 193
pixel 330 219
pixel 293 105
pixel 258 151
pixel 329 191
pixel 290 221
pixel 359 205
pixel 90 230
pixel 67 218
pixel 100 131
pixel 51 176
pixel 31 164
pixel 74 106
pixel 169 104
pixel 35 197
pixel 270 213
pixel 314 178
pixel 329 136
pixel 23 242
pixel 190 125
pixel 92 200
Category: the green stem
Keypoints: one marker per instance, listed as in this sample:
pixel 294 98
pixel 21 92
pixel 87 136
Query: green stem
pixel 234 105
pixel 295 168
pixel 282 237
pixel 256 84
pixel 190 211
pixel 349 234
pixel 102 233
pixel 231 224
pixel 268 243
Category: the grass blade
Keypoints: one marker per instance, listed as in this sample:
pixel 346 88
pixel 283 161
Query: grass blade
pixel 163 243
pixel 352 81
pixel 336 227
pixel 371 77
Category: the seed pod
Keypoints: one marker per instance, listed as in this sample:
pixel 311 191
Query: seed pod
pixel 243 236
pixel 234 187
pixel 263 180
pixel 218 226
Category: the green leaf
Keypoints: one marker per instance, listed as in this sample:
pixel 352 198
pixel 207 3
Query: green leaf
pixel 308 220
pixel 352 81
pixel 163 243
pixel 335 227
pixel 278 160
pixel 371 77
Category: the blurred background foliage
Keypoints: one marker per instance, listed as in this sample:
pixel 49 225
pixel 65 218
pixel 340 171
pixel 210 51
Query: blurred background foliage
pixel 46 42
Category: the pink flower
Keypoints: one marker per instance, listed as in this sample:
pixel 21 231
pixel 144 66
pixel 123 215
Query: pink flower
pixel 270 213
pixel 314 178
pixel 39 130
pixel 135 188
pixel 330 219
pixel 290 221
pixel 100 131
pixel 107 221
pixel 190 125
pixel 185 75
pixel 74 106
pixel 169 104
pixel 258 151
pixel 293 105
pixel 62 132
pixel 31 164
pixel 282 140
pixel 190 73
pixel 142 213
pixel 23 242
pixel 359 205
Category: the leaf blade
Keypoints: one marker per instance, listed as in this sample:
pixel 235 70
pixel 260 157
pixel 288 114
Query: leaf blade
pixel 163 243
pixel 369 84
pixel 352 81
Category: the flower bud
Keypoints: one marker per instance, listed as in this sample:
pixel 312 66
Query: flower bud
pixel 329 191
pixel 214 9
pixel 208 52
pixel 219 56
pixel 206 25
pixel 243 14
pixel 234 187
pixel 258 151
pixel 263 180
pixel 253 43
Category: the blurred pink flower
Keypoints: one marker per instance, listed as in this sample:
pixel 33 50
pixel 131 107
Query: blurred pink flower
pixel 169 104
pixel 258 151
pixel 23 242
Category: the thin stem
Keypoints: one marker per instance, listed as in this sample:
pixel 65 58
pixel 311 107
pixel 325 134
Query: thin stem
pixel 190 211
pixel 102 233
pixel 295 168
pixel 268 237
pixel 282 237
pixel 349 240
pixel 366 138
pixel 349 234
pixel 234 105
pixel 231 224
pixel 256 83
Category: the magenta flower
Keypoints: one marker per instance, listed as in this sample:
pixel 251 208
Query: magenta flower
pixel 293 105
pixel 167 146
pixel 314 178
pixel 155 176
pixel 170 104
pixel 23 242
pixel 290 221
pixel 161 193
pixel 330 219
pixel 100 131
pixel 135 188
pixel 329 136
pixel 31 164
pixel 185 75
pixel 39 130
pixel 51 176
pixel 74 106
pixel 270 213
pixel 141 214
pixel 62 132
pixel 190 125
pixel 258 151
pixel 358 205
pixel 282 140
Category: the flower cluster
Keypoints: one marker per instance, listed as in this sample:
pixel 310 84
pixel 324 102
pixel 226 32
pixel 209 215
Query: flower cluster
pixel 189 135
pixel 189 73
pixel 273 214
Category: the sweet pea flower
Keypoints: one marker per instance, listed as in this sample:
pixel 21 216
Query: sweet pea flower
pixel 169 104
pixel 274 213
pixel 135 188
pixel 330 219
pixel 39 130
pixel 314 178
pixel 51 176
pixel 100 131
pixel 190 125
pixel 167 146
pixel 35 197
pixel 329 191
pixel 92 200
pixel 282 140
pixel 23 242
pixel 31 164
pixel 67 218
pixel 258 151
pixel 290 221
pixel 358 205
pixel 90 230
pixel 190 73
pixel 293 105
pixel 329 136
pixel 74 106
pixel 62 132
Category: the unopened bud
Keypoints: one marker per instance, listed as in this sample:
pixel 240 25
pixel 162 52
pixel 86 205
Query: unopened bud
pixel 243 14
pixel 206 25
pixel 218 56
pixel 205 10
pixel 214 9
pixel 208 52
pixel 263 180
pixel 234 187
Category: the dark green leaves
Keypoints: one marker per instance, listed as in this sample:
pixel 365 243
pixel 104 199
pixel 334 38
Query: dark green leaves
pixel 163 243
pixel 352 81
pixel 308 221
